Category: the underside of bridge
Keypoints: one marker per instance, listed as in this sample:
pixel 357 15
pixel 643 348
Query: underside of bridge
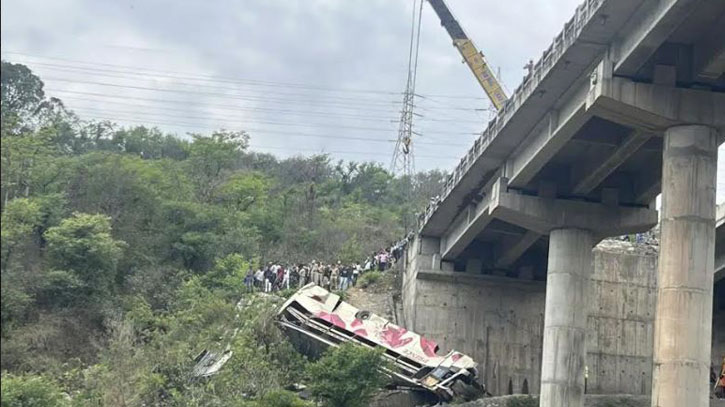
pixel 628 103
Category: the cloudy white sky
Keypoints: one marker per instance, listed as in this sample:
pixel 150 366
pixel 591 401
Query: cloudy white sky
pixel 301 76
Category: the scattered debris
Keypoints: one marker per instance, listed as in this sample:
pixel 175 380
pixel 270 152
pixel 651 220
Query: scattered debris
pixel 208 363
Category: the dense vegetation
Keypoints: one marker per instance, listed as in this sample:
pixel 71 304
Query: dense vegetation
pixel 123 252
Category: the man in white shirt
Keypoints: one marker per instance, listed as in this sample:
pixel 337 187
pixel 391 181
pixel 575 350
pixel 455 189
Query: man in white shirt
pixel 259 278
pixel 285 279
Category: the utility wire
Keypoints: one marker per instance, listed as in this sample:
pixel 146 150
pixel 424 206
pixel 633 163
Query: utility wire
pixel 117 117
pixel 288 133
pixel 346 152
pixel 366 103
pixel 224 95
pixel 286 148
pixel 244 122
pixel 187 102
pixel 222 79
pixel 145 76
pixel 99 99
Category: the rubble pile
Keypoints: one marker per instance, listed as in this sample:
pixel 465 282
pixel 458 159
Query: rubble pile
pixel 639 243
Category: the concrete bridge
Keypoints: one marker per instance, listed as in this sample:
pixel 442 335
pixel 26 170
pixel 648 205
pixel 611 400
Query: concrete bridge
pixel 628 102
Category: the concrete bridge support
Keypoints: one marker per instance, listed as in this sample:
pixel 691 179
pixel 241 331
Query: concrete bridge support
pixel 684 304
pixel 565 321
pixel 574 227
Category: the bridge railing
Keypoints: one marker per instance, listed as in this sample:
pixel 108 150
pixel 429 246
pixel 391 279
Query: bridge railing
pixel 568 35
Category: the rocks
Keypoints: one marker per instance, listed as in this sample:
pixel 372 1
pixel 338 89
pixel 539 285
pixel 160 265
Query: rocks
pixel 648 244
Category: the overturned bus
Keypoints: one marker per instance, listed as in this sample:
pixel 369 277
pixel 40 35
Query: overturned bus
pixel 315 319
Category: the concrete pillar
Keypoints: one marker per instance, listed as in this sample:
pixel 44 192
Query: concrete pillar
pixel 687 250
pixel 565 318
pixel 426 254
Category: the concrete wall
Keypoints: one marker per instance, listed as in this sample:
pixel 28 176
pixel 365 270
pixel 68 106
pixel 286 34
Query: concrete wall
pixel 414 260
pixel 621 319
pixel 498 320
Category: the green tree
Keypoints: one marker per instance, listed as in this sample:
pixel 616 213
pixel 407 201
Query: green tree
pixel 83 246
pixel 22 92
pixel 19 220
pixel 30 391
pixel 148 143
pixel 176 225
pixel 347 376
pixel 123 377
pixel 242 190
pixel 211 157
pixel 228 273
pixel 28 164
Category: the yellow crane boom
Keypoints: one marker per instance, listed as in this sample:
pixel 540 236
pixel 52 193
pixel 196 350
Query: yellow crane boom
pixel 472 56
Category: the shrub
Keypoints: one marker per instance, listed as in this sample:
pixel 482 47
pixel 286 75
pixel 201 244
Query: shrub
pixel 342 294
pixel 347 376
pixel 523 401
pixel 370 278
pixel 281 398
pixel 30 391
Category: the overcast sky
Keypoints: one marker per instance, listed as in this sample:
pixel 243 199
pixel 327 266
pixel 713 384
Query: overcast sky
pixel 301 76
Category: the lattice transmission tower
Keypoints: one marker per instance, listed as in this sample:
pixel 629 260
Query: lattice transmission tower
pixel 403 162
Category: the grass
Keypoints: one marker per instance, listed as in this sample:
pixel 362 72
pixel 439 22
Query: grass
pixel 370 278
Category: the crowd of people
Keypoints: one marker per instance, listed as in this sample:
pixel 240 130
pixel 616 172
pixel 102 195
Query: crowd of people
pixel 429 209
pixel 276 276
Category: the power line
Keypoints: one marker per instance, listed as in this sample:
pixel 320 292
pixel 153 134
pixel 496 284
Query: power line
pixel 234 109
pixel 233 96
pixel 186 125
pixel 229 120
pixel 223 95
pixel 201 78
pixel 244 122
pixel 97 95
pixel 292 149
pixel 304 135
pixel 213 77
pixel 243 109
pixel 226 79
pixel 145 76
pixel 347 152
pixel 355 100
pixel 217 88
pixel 185 102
